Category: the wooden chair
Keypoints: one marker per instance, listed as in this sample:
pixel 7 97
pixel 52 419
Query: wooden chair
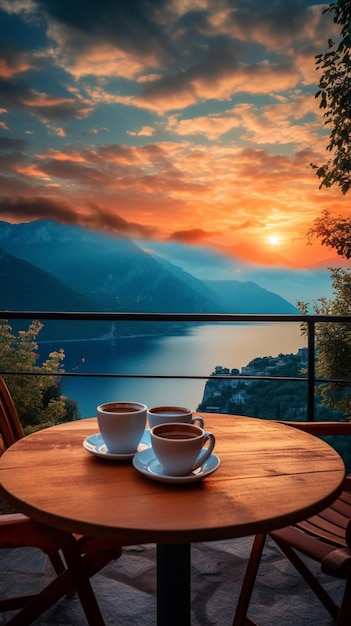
pixel 83 556
pixel 325 538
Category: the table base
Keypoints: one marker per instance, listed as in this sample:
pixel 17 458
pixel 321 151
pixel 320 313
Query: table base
pixel 173 585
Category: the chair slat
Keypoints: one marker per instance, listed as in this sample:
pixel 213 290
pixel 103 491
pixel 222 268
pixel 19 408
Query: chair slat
pixel 327 532
pixel 10 425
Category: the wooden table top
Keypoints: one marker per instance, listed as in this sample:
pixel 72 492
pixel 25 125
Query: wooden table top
pixel 270 475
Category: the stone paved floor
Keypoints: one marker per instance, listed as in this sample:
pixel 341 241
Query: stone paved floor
pixel 125 589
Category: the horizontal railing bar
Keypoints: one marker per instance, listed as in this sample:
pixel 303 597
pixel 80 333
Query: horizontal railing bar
pixel 307 322
pixel 168 376
pixel 174 317
pixel 299 379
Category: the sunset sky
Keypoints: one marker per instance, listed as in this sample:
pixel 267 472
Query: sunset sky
pixel 187 125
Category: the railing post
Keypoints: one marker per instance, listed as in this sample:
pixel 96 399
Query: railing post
pixel 310 370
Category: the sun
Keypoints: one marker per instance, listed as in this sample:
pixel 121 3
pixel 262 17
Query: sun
pixel 274 240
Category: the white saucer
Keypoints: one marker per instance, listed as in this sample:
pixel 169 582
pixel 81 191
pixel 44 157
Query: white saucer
pixel 146 463
pixel 95 444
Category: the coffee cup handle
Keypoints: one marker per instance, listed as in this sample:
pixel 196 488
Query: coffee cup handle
pixel 198 421
pixel 206 452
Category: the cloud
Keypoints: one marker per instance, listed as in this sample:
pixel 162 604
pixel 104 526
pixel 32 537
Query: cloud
pixel 9 143
pixel 190 236
pixel 13 60
pixel 104 218
pixel 24 208
pixel 180 53
pixel 276 123
pixel 47 107
pixel 27 209
pixel 219 79
pixel 209 110
pixel 18 94
pixel 145 131
pixel 237 195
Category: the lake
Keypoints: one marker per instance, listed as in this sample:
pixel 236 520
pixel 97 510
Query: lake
pixel 195 354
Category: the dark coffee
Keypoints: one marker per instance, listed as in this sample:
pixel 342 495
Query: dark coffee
pixel 119 409
pixel 180 436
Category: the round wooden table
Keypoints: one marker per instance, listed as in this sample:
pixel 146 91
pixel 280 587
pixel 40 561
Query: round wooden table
pixel 270 475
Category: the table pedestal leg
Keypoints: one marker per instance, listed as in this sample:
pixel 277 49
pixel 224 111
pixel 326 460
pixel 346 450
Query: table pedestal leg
pixel 173 585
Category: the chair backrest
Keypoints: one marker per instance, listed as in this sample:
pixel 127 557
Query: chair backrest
pixel 10 425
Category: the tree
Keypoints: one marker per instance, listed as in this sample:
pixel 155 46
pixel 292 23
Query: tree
pixel 38 398
pixel 333 232
pixel 333 340
pixel 334 93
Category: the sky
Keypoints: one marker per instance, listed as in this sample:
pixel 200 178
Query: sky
pixel 188 126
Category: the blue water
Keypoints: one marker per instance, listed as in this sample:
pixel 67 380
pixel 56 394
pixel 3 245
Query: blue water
pixel 196 354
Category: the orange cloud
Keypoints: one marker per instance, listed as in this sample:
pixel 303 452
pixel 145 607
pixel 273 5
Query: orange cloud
pixel 145 131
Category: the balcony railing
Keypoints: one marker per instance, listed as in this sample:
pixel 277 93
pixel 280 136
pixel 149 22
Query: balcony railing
pixel 309 322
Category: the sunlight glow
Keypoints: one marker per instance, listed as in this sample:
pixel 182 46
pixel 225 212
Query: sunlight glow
pixel 274 240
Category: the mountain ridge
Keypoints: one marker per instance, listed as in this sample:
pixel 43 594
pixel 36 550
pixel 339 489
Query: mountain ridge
pixel 111 273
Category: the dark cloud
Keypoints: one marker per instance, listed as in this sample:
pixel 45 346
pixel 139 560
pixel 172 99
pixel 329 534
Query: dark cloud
pixel 21 207
pixel 190 236
pixel 13 93
pixel 133 25
pixel 9 144
pixel 284 17
pixel 60 109
pixel 158 25
pixel 107 219
pixel 69 170
pixel 18 94
pixel 13 59
pixel 190 46
pixel 220 57
pixel 24 208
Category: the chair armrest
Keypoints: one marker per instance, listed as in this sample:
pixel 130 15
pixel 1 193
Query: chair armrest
pixel 17 530
pixel 338 563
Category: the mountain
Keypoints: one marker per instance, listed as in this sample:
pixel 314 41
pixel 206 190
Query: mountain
pixel 111 270
pixel 45 265
pixel 25 287
pixel 234 296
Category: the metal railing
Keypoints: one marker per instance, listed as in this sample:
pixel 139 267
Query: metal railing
pixel 308 321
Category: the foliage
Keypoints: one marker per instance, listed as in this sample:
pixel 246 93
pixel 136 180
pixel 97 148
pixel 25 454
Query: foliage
pixel 37 398
pixel 334 97
pixel 334 339
pixel 333 232
pixel 333 342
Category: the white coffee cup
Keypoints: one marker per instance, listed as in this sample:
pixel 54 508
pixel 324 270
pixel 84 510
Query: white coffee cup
pixel 179 447
pixel 122 425
pixel 165 414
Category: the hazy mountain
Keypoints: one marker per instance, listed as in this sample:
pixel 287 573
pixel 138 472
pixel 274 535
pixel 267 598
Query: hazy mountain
pixel 195 283
pixel 234 296
pixel 25 287
pixel 110 270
